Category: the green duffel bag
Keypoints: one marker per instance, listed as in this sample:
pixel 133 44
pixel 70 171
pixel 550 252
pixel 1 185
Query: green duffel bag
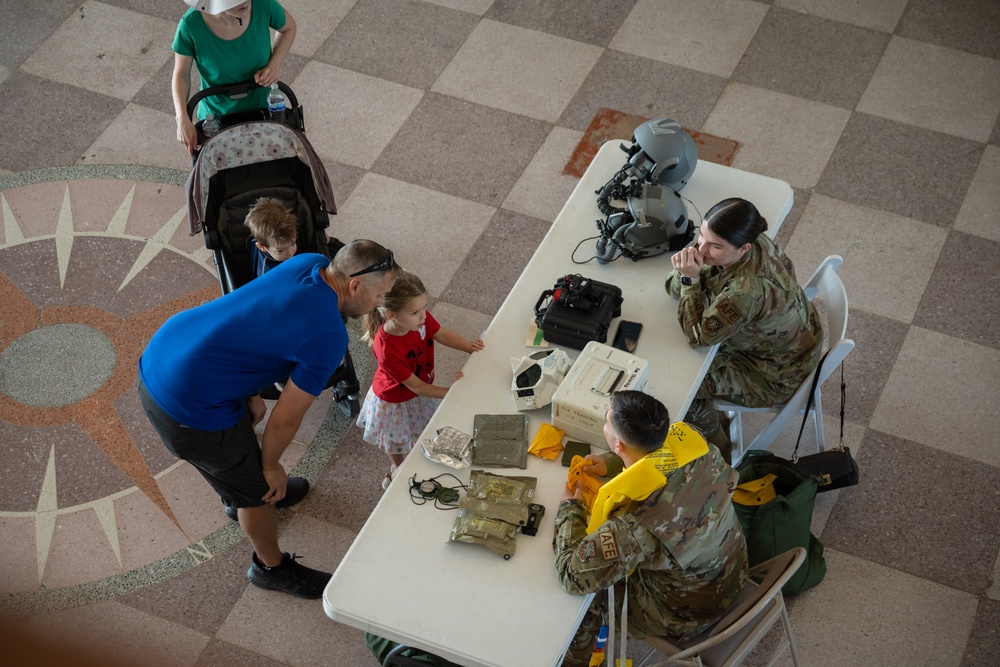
pixel 783 522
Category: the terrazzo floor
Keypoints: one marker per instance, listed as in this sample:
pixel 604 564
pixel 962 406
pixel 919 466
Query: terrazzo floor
pixel 453 131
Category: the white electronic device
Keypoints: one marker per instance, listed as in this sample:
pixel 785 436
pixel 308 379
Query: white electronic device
pixel 584 396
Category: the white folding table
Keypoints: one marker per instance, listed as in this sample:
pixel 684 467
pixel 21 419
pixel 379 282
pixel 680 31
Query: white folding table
pixel 401 578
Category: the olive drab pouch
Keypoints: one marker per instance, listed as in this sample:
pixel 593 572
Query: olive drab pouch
pixel 499 497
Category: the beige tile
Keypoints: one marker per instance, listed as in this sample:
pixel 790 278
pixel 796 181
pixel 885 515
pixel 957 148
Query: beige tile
pixel 477 7
pixel 195 504
pixel 351 116
pixel 105 49
pixel 79 552
pixel 876 14
pixel 158 146
pixel 888 259
pixel 429 231
pixel 707 37
pixel 251 624
pixel 935 88
pixel 942 393
pixel 102 628
pixel 465 322
pixel 782 136
pixel 864 613
pixel 145 534
pixel 315 20
pixel 543 187
pixel 978 214
pixel 518 70
pixel 4 73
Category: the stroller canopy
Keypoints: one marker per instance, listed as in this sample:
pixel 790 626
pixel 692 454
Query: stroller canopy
pixel 247 144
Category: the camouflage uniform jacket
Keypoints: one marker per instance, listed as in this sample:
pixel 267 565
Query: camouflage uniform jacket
pixel 681 548
pixel 767 328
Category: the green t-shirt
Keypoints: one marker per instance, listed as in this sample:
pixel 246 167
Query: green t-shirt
pixel 221 61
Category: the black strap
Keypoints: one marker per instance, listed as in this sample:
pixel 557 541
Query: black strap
pixel 812 394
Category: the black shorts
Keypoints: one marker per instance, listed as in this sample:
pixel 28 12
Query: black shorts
pixel 229 459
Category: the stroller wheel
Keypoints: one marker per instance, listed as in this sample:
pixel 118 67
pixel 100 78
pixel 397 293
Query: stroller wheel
pixel 350 406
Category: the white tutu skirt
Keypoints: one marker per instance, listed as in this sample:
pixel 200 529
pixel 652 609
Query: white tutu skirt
pixel 395 427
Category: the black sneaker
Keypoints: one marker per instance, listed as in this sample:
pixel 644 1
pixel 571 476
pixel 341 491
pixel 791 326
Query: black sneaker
pixel 289 577
pixel 296 490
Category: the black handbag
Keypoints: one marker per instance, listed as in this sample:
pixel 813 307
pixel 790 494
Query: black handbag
pixel 832 468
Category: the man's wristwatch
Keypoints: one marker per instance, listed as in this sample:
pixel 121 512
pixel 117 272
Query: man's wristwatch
pixel 687 281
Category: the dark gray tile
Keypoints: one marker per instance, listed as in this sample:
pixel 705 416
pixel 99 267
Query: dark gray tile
pixel 219 652
pixel 350 486
pixel 84 473
pixel 344 178
pixel 96 268
pixel 622 81
pixel 902 169
pixel 971 312
pixel 60 123
pixel 969 25
pixel 462 148
pixel 168 276
pixel 501 252
pixel 800 200
pixel 984 641
pixel 815 58
pixel 404 41
pixel 24 456
pixel 591 21
pixel 877 341
pixel 34 269
pixel 202 597
pixel 920 510
pixel 22 29
pixel 156 93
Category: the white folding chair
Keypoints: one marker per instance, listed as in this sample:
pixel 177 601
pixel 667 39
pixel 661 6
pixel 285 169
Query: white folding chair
pixel 825 282
pixel 731 640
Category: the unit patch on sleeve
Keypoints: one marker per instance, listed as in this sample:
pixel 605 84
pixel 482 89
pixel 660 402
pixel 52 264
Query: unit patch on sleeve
pixel 586 551
pixel 609 548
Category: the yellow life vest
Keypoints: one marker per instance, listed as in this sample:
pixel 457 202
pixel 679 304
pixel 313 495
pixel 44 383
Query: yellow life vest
pixel 683 445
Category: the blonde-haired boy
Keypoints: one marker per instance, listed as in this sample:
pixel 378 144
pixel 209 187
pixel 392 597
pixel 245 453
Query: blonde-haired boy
pixel 274 234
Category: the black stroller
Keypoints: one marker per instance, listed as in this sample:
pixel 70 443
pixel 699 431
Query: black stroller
pixel 250 158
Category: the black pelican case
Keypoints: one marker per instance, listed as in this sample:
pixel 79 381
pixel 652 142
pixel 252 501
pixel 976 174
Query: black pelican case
pixel 578 311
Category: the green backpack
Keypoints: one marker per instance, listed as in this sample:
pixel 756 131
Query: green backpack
pixel 783 522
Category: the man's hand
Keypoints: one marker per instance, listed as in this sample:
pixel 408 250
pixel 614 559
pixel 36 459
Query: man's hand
pixel 257 408
pixel 595 465
pixel 573 491
pixel 277 482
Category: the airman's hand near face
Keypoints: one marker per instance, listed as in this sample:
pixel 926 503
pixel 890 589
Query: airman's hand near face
pixel 688 261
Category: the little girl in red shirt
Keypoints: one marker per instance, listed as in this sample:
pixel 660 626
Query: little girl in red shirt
pixel 403 396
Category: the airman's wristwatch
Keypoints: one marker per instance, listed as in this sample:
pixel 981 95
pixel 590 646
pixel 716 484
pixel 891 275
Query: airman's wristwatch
pixel 687 281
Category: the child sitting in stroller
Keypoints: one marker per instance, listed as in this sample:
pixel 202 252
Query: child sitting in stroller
pixel 274 234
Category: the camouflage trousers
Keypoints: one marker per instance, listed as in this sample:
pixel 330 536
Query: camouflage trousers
pixel 732 384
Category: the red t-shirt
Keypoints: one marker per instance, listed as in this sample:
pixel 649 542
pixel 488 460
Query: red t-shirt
pixel 399 357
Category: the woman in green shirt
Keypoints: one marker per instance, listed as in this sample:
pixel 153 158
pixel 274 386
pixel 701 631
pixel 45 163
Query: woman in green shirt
pixel 229 41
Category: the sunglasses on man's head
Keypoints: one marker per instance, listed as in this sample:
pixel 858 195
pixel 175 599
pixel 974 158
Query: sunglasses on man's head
pixel 384 265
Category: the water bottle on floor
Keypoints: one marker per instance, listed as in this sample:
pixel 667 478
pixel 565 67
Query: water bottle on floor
pixel 211 126
pixel 276 104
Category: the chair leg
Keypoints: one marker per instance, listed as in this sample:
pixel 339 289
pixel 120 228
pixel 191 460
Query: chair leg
pixel 788 635
pixel 818 422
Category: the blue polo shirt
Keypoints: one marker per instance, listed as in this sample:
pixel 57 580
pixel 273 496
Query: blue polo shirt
pixel 203 363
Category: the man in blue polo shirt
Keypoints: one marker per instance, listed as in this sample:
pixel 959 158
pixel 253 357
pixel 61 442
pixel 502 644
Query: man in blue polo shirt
pixel 202 370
